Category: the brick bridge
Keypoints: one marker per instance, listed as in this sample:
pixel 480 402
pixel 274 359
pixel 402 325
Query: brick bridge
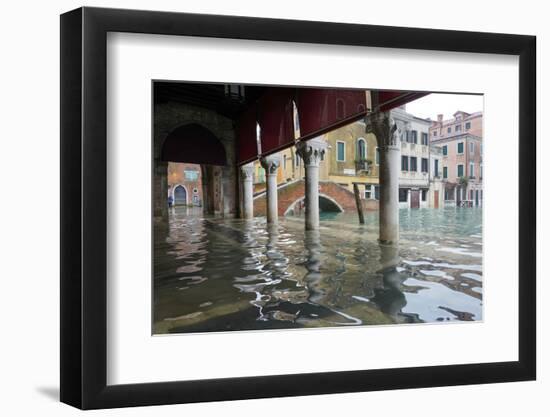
pixel 332 197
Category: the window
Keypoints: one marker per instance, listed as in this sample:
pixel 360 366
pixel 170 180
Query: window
pixel 367 192
pixel 377 192
pixel 472 174
pixel 361 149
pixel 460 170
pixel 471 194
pixel 424 194
pixel 458 128
pixel 472 148
pixel 414 138
pixel 377 156
pixel 434 133
pixel 468 125
pixel 436 167
pixel 424 165
pixel 460 147
pixel 284 161
pixel 297 160
pixel 340 151
pixel 424 138
pixel 403 194
pixel 413 163
pixel 480 171
pixel 191 175
pixel 448 130
pixel 444 172
pixel 404 163
pixel 445 150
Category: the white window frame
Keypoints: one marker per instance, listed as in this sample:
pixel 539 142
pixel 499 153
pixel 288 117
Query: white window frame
pixel 459 165
pixel 340 160
pixel 368 189
pixel 366 152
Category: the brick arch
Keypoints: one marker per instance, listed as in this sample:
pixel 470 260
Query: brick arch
pixel 292 206
pixel 288 194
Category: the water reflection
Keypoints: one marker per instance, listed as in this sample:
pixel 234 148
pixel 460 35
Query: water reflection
pixel 215 274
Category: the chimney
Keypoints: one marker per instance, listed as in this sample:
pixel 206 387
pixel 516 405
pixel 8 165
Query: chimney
pixel 440 118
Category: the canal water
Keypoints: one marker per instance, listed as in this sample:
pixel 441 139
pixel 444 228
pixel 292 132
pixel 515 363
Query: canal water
pixel 213 274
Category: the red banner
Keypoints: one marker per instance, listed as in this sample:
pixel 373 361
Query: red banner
pixel 247 146
pixel 323 109
pixel 276 119
pixel 320 110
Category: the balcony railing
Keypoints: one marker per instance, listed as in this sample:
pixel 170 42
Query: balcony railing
pixel 363 165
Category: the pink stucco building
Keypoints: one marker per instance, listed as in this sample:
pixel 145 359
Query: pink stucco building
pixel 461 143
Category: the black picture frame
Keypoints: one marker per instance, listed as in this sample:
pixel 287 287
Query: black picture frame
pixel 84 207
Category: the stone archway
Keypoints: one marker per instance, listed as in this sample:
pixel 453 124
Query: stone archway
pixel 185 133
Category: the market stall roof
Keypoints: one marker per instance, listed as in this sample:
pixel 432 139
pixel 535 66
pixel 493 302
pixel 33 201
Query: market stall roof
pixel 269 118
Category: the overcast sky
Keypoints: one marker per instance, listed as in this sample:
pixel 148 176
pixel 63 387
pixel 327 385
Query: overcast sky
pixel 433 104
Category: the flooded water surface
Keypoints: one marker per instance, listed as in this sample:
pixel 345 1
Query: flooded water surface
pixel 213 274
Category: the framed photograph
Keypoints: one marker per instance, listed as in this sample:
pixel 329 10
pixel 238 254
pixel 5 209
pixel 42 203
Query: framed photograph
pixel 259 208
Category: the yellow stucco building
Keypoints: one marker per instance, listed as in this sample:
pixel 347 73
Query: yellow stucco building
pixel 351 157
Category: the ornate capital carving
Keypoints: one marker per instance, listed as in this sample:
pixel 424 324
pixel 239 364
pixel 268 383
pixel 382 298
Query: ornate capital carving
pixel 248 172
pixel 384 128
pixel 271 163
pixel 311 151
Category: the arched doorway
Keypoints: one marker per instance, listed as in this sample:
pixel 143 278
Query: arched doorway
pixel 180 195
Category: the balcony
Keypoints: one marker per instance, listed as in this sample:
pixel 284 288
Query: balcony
pixel 362 166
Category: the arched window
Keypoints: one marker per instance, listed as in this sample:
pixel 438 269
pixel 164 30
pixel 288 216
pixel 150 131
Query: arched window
pixel 361 149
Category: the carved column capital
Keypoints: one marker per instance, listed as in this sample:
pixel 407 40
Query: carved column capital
pixel 384 128
pixel 271 163
pixel 311 151
pixel 247 172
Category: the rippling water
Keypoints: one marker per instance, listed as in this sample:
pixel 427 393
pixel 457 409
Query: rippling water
pixel 213 274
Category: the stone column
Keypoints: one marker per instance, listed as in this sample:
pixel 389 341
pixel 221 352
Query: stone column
pixel 311 152
pixel 160 192
pixel 385 130
pixel 271 164
pixel 247 173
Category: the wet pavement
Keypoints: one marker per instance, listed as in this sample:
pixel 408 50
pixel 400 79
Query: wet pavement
pixel 213 274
